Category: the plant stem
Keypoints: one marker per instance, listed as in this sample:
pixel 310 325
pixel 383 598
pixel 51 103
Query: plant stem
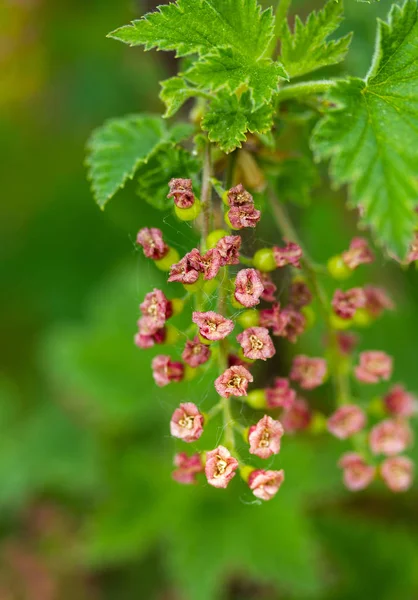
pixel 301 90
pixel 206 194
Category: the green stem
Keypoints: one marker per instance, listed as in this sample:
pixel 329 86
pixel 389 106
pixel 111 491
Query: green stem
pixel 281 18
pixel 246 260
pixel 302 90
pixel 206 194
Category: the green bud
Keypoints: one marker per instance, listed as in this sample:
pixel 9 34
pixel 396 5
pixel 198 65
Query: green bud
pixel 338 269
pixel 249 318
pixel 264 260
pixel 172 257
pixel 214 237
pixel 188 214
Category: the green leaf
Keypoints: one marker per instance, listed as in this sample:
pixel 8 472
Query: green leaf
pixel 306 49
pixel 231 35
pixel 371 134
pixel 120 146
pixel 228 120
pixel 174 93
pixel 154 176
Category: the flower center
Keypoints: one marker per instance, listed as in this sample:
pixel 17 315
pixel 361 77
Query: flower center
pixel 187 422
pixel 265 439
pixel 235 381
pixel 256 343
pixel 221 466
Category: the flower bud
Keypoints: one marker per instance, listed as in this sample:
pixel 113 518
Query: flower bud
pixel 188 214
pixel 256 399
pixel 249 318
pixel 265 484
pixel 214 237
pixel 264 261
pixel 338 269
pixel 165 264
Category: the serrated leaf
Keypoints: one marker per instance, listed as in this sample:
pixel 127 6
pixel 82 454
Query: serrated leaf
pixel 231 35
pixel 371 134
pixel 174 93
pixel 154 176
pixel 306 49
pixel 229 118
pixel 115 150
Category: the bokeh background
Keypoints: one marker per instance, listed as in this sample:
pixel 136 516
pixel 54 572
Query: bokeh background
pixel 88 510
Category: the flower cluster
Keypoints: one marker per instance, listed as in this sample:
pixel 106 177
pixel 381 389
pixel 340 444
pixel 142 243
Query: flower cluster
pixel 235 328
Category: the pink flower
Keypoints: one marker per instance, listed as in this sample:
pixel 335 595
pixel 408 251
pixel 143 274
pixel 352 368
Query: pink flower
pixel 265 484
pixel 233 382
pixel 228 248
pixel 147 340
pixel 309 372
pixel 399 402
pixel 377 300
pixel 413 250
pixel 187 468
pixel 297 417
pixel 293 324
pixel 187 422
pixel 256 343
pixel 152 243
pixel 273 319
pixel 289 255
pixel 208 264
pixel 244 216
pixel 346 342
pixel 357 473
pixel 345 304
pixel 182 192
pixel 359 253
pixel 165 370
pixel 397 472
pixel 195 353
pixel 346 421
pixel 269 287
pixel 185 271
pixel 390 437
pixel 237 361
pixel 238 196
pixel 373 367
pixel 281 394
pixel 300 294
pixel 212 326
pixel 156 307
pixel 248 287
pixel 220 467
pixel 264 438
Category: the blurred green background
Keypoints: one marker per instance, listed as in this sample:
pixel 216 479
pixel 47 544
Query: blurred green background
pixel 88 510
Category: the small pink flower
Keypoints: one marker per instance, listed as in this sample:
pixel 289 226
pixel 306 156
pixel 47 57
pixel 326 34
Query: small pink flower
pixel 397 472
pixel 357 473
pixel 265 484
pixel 156 307
pixel 281 394
pixel 244 216
pixel 309 372
pixel 270 288
pixel 374 366
pixel 399 402
pixel 187 468
pixel 187 422
pixel 212 326
pixel 273 319
pixel 233 382
pixel 413 250
pixel 293 324
pixel 165 370
pixel 228 248
pixel 237 361
pixel 289 255
pixel 185 270
pixel 346 342
pixel 220 467
pixel 345 304
pixel 390 437
pixel 195 353
pixel 377 300
pixel 264 438
pixel 248 287
pixel 208 264
pixel 152 243
pixel 300 294
pixel 144 340
pixel 359 253
pixel 346 421
pixel 297 417
pixel 238 196
pixel 256 343
pixel 181 191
